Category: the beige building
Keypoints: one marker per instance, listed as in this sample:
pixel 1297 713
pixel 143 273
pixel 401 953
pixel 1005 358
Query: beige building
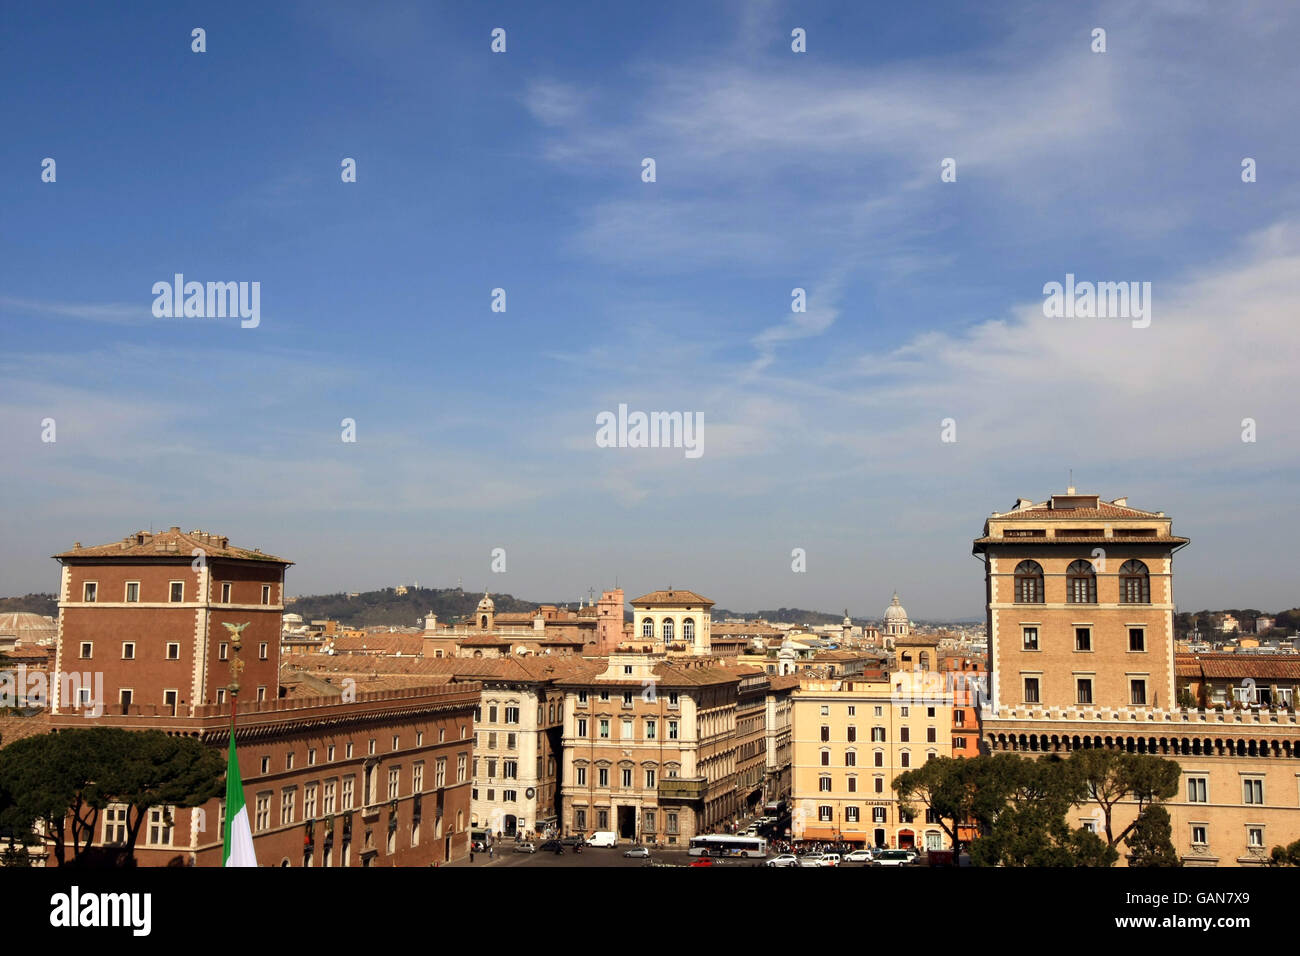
pixel 1080 621
pixel 653 747
pixel 852 737
pixel 672 622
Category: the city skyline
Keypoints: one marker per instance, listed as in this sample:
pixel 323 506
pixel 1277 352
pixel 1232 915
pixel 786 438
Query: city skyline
pixel 775 170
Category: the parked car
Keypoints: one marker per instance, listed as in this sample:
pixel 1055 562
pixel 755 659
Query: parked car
pixel 550 846
pixel 811 859
pixel 703 861
pixel 893 858
pixel 637 851
pixel 831 859
pixel 602 838
pixel 525 848
pixel 785 859
pixel 859 856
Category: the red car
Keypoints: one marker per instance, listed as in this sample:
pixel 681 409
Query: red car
pixel 703 861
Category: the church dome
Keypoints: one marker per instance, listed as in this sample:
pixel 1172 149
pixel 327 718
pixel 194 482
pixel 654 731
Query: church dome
pixel 895 612
pixel 486 604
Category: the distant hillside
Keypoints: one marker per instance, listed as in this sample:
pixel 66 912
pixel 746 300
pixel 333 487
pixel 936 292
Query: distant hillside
pixel 45 604
pixel 389 608
pixel 785 615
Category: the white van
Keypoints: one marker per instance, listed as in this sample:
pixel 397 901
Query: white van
pixel 602 838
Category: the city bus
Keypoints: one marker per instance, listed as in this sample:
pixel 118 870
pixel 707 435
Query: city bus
pixel 717 844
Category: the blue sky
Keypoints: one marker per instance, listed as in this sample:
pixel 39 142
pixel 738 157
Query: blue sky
pixel 775 170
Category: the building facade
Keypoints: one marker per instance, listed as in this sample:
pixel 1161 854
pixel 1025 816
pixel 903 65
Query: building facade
pixel 852 738
pixel 1080 611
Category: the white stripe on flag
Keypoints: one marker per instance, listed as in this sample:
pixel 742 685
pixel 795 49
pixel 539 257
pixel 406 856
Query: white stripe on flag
pixel 241 841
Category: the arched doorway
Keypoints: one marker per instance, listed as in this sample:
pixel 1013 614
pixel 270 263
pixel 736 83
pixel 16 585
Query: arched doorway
pixel 906 839
pixel 511 824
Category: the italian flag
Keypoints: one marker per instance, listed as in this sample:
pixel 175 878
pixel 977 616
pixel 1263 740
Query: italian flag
pixel 238 848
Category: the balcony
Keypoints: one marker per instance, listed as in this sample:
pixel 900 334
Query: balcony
pixel 682 788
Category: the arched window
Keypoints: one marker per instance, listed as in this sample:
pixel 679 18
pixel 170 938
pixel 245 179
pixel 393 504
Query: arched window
pixel 1134 583
pixel 668 629
pixel 688 629
pixel 648 628
pixel 1081 583
pixel 1029 583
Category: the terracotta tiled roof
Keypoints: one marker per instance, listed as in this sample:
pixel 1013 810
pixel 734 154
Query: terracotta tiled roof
pixel 408 645
pixel 675 597
pixel 170 543
pixel 1091 539
pixel 520 668
pixel 1284 667
pixel 1104 509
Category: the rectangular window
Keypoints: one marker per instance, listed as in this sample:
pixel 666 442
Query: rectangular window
pixel 223 651
pixel 602 777
pixel 850 759
pixel 1197 790
pixel 510 769
pixel 650 730
pixel 850 814
pixel 1253 791
pixel 128 650
pixel 177 592
pixel 124 698
pixel 115 824
pixel 904 734
pixel 671 819
pixel 1031 638
pixel 262 651
pixel 173 651
pixel 262 815
pixel 582 726
pixel 512 715
pixel 1083 638
pixel 347 793
pixel 327 800
pixel 931 735
pixel 1137 639
pixel 1255 837
pixel 880 785
pixel 394 781
pixel 309 802
pixel 170 698
pixel 225 592
pixel 88 592
pixel 1031 690
pixel 582 776
pixel 266 594
pixel 826 758
pixel 460 768
pixel 824 784
pixel 286 806
pixel 1137 691
pixel 826 733
pixel 853 734
pixel 853 784
pixel 132 592
pixel 824 813
pixel 648 819
pixel 627 777
pixel 440 773
pixel 161 826
pixel 650 783
pixel 604 729
pixel 627 729
pixel 672 730
pixel 1198 834
pixel 1084 687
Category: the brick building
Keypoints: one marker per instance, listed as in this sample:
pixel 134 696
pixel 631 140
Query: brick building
pixel 332 776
